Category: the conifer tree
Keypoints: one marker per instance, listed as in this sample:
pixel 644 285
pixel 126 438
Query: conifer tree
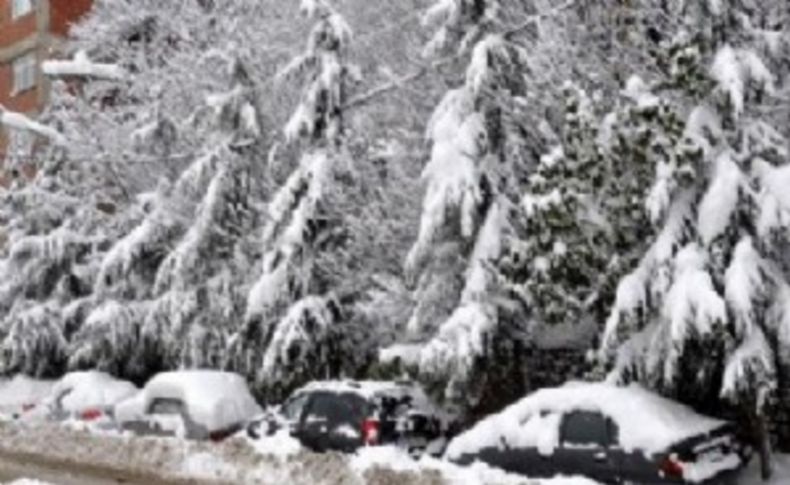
pixel 703 316
pixel 292 328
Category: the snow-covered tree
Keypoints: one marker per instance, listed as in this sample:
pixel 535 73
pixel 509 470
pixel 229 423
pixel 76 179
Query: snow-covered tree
pixel 169 283
pixel 477 141
pixel 291 331
pixel 143 139
pixel 703 315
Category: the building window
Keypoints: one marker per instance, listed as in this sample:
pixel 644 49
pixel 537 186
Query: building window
pixel 25 72
pixel 20 8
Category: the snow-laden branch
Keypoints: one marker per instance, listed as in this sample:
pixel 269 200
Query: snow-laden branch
pixel 18 121
pixel 81 66
pixel 398 83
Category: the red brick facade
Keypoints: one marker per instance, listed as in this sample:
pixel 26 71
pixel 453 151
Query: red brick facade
pixel 38 33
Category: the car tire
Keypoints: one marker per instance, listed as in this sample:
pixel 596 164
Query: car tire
pixel 254 430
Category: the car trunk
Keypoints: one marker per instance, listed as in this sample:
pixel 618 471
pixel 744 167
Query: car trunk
pixel 707 456
pixel 334 422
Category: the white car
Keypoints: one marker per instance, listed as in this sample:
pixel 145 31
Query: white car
pixel 84 395
pixel 21 395
pixel 194 404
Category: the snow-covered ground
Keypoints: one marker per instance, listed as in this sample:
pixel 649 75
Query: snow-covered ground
pixel 236 461
pixel 271 460
pixel 277 460
pixel 781 472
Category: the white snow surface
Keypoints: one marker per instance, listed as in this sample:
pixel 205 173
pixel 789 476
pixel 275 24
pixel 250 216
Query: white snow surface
pixel 721 198
pixel 392 458
pixel 21 122
pixel 647 422
pixel 408 354
pixel 214 399
pixel 22 390
pixel 90 389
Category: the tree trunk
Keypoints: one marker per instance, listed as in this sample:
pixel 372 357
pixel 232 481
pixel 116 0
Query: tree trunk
pixel 763 441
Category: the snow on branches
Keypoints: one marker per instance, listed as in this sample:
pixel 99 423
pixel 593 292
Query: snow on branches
pixel 710 292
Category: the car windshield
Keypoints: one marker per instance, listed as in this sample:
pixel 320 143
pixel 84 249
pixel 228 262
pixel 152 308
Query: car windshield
pixel 166 406
pixel 338 409
pixel 585 428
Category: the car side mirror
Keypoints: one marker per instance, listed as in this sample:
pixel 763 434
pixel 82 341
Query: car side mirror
pixel 504 443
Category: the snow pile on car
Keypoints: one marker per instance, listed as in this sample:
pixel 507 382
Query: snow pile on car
pixel 90 389
pixel 21 391
pixel 214 399
pixel 370 390
pixel 646 421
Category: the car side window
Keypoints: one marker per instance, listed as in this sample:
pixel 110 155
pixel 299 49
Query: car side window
pixel 292 410
pixel 166 406
pixel 585 428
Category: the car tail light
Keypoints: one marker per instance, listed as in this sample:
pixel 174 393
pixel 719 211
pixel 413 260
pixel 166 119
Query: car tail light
pixel 672 468
pixel 370 431
pixel 91 414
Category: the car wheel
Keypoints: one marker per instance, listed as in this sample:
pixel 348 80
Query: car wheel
pixel 254 430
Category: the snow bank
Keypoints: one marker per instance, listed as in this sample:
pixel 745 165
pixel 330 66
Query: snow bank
pixel 379 458
pixel 155 460
pixel 27 481
pixel 281 444
pixel 90 389
pixel 647 421
pixel 216 400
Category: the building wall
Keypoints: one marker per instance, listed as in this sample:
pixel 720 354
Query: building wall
pixel 12 31
pixel 65 13
pixel 40 31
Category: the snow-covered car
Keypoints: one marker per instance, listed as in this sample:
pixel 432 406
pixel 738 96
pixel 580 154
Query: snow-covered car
pixel 193 404
pixel 84 395
pixel 607 433
pixel 21 394
pixel 346 415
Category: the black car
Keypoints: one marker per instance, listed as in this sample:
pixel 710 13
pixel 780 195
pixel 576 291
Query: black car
pixel 609 434
pixel 346 415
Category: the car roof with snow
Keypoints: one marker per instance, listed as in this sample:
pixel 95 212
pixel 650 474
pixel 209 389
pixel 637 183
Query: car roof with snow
pixel 85 389
pixel 214 399
pixel 646 421
pixel 371 390
pixel 367 389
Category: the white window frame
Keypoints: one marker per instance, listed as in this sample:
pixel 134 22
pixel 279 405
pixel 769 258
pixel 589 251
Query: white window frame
pixel 20 8
pixel 25 68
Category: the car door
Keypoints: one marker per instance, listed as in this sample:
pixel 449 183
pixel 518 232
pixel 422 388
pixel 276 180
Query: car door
pixel 585 446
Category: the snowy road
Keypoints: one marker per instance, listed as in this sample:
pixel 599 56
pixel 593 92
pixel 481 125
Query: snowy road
pixel 21 466
pixel 18 467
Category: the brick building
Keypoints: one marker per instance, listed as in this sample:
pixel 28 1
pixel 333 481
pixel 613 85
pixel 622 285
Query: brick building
pixel 30 31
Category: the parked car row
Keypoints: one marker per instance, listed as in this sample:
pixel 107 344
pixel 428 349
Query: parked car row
pixel 608 433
